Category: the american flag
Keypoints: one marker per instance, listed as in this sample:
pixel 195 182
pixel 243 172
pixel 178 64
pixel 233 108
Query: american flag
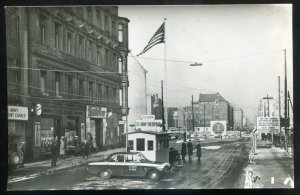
pixel 158 37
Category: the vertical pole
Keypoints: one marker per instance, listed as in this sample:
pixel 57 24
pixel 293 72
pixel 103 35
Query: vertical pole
pixel 285 98
pixel 204 122
pixel 166 74
pixel 193 125
pixel 126 96
pixel 146 89
pixel 268 105
pixel 186 123
pixel 162 106
pixel 279 111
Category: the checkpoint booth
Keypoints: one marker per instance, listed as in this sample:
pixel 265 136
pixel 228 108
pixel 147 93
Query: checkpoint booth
pixel 153 145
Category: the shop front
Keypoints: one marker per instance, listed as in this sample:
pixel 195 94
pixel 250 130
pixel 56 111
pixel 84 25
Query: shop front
pixel 17 119
pixel 54 123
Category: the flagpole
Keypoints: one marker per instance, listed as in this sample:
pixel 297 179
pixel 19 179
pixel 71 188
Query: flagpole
pixel 165 63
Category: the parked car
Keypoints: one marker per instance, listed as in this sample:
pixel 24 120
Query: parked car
pixel 128 164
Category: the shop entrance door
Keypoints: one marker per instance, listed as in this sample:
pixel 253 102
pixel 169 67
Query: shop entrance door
pixel 99 132
pixel 57 128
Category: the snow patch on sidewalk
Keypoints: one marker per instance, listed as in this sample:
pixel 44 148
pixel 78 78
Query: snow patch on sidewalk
pixel 211 147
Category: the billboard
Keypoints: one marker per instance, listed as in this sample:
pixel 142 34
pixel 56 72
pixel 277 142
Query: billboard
pixel 218 127
pixel 268 124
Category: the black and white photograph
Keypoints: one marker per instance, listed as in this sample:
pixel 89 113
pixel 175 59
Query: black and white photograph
pixel 111 97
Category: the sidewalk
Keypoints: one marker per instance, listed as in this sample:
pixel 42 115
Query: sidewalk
pixel 270 168
pixel 35 169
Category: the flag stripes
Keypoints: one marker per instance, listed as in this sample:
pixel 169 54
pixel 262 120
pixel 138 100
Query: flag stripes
pixel 158 37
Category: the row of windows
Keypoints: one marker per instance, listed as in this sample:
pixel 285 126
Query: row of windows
pixel 12 29
pixel 77 45
pixel 95 90
pixel 140 144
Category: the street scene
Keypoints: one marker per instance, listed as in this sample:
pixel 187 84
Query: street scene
pixel 149 97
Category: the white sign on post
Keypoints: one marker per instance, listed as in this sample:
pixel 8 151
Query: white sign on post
pixel 268 124
pixel 17 113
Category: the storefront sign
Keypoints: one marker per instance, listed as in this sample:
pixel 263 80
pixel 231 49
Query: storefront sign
pixel 148 117
pixel 17 113
pixel 95 112
pixel 268 124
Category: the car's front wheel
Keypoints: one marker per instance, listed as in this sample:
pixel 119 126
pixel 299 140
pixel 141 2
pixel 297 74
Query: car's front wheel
pixel 105 174
pixel 153 175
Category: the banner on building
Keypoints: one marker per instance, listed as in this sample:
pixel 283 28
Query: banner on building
pixel 95 112
pixel 268 124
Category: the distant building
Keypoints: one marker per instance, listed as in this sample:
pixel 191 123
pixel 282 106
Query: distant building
pixel 172 117
pixel 154 106
pixel 137 90
pixel 238 118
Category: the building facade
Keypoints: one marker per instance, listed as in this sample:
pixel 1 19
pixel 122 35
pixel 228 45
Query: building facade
pixel 154 106
pixel 68 67
pixel 238 115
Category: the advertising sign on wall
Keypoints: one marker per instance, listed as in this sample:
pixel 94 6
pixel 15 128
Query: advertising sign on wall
pixel 95 112
pixel 268 124
pixel 17 113
pixel 218 127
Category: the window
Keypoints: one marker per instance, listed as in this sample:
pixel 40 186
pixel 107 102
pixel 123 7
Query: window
pixel 57 35
pixel 115 94
pixel 80 47
pixel 57 84
pixel 81 89
pixel 106 23
pixel 121 32
pixel 43 78
pixel 130 144
pixel 114 61
pixel 113 28
pixel 98 15
pixel 12 30
pixel 140 144
pixel 99 91
pixel 150 145
pixel 128 158
pixel 98 55
pixel 70 87
pixel 90 90
pixel 69 40
pixel 106 57
pixel 89 14
pixel 42 29
pixel 120 66
pixel 120 97
pixel 160 144
pixel 107 92
pixel 89 51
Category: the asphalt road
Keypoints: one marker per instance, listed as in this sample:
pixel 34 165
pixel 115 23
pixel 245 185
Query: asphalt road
pixel 221 166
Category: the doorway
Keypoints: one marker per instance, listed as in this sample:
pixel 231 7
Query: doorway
pixel 99 132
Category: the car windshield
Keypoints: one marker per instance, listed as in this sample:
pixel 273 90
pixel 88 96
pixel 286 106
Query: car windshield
pixel 130 157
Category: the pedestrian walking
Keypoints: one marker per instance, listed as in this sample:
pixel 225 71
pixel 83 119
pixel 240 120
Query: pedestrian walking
pixel 172 156
pixel 85 148
pixel 190 149
pixel 183 150
pixel 22 152
pixel 53 150
pixel 62 148
pixel 198 147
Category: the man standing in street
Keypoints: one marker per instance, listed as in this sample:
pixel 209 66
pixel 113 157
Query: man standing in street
pixel 85 148
pixel 183 150
pixel 198 147
pixel 190 149
pixel 54 153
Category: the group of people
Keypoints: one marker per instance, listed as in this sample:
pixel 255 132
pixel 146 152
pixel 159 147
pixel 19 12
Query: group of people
pixel 58 149
pixel 187 148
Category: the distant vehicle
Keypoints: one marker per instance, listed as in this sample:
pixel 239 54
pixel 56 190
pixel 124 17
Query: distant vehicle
pixel 129 164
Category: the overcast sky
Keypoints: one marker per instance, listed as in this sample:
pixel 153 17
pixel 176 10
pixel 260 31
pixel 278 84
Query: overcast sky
pixel 240 47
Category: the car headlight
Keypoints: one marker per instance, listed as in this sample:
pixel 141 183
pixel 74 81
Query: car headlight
pixel 16 159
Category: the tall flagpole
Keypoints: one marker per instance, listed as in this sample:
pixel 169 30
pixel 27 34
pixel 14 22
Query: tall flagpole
pixel 165 62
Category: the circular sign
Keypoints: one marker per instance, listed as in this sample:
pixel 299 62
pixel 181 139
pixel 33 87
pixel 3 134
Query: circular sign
pixel 218 128
pixel 124 118
pixel 38 109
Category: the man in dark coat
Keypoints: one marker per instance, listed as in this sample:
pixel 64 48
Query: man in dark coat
pixel 171 156
pixel 190 149
pixel 198 147
pixel 85 148
pixel 183 150
pixel 54 153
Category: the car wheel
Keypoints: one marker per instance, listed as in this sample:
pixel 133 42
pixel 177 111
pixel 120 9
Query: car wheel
pixel 153 175
pixel 105 174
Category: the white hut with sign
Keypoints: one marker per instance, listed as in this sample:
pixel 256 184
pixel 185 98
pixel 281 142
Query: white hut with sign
pixel 149 123
pixel 155 146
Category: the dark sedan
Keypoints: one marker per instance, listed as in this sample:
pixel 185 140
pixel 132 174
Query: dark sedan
pixel 129 164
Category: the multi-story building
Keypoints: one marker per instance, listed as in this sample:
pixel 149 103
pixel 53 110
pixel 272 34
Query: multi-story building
pixel 210 107
pixel 68 67
pixel 137 90
pixel 154 106
pixel 172 117
pixel 238 118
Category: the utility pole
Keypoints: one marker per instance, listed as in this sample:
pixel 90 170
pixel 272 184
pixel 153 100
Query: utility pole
pixel 162 106
pixel 268 98
pixel 279 110
pixel 204 122
pixel 193 125
pixel 285 99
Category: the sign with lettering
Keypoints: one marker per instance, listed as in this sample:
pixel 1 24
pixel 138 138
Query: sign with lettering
pixel 148 117
pixel 17 113
pixel 95 112
pixel 268 124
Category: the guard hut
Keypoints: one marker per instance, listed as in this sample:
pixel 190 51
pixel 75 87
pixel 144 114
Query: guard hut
pixel 154 145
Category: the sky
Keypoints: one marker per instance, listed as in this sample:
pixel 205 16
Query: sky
pixel 240 47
